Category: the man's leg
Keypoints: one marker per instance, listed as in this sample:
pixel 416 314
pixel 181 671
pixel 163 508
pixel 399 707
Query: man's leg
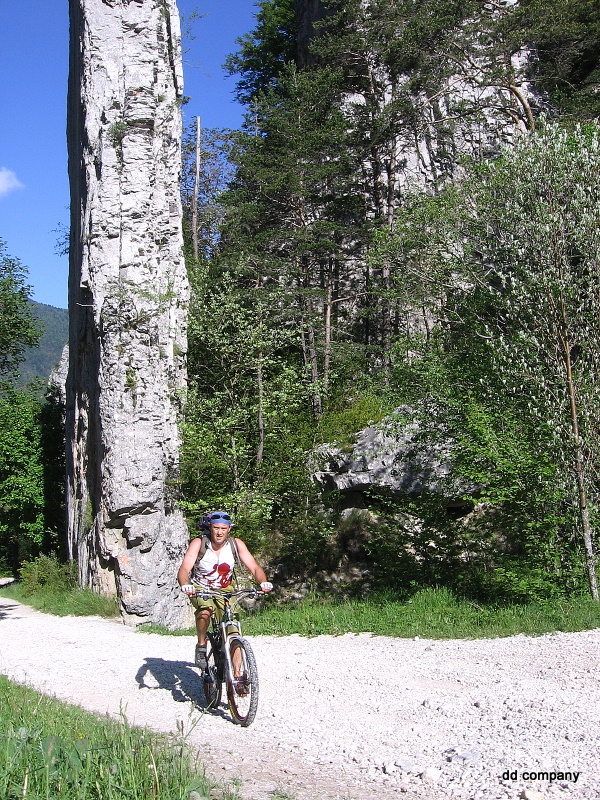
pixel 202 621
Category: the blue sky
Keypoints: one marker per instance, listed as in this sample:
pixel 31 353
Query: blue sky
pixel 34 54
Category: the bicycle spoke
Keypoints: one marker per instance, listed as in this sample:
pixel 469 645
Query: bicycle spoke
pixel 242 688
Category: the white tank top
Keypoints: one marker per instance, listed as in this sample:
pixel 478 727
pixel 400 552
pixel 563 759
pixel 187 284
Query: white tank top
pixel 215 569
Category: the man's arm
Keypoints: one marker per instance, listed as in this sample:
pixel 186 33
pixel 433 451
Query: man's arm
pixel 183 576
pixel 250 562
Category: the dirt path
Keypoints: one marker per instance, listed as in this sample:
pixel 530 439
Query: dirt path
pixel 349 717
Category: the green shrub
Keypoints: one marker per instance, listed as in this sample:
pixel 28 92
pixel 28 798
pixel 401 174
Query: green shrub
pixel 48 573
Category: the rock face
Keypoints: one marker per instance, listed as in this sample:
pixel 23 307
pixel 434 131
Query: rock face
pixel 388 457
pixel 128 295
pixel 57 380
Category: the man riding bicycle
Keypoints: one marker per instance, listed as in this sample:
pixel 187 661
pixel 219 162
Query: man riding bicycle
pixel 210 565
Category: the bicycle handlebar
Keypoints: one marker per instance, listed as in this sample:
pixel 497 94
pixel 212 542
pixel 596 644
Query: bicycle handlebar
pixel 208 595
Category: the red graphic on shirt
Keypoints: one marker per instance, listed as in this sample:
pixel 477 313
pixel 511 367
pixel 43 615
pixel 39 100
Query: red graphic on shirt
pixel 220 575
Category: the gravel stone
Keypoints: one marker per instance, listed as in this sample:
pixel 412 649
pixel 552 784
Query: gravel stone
pixel 343 717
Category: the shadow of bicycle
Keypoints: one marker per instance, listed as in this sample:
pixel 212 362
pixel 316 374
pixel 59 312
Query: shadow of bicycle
pixel 10 610
pixel 180 678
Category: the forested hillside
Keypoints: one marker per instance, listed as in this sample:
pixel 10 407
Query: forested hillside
pixel 41 359
pixel 408 220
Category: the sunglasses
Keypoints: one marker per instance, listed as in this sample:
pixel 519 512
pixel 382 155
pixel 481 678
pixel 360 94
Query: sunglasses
pixel 214 517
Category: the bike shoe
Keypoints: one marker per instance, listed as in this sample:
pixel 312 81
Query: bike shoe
pixel 242 686
pixel 200 658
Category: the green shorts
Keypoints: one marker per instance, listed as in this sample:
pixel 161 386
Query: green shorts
pixel 215 604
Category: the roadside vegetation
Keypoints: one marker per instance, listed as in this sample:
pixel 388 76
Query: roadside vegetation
pixel 431 613
pixel 64 602
pixel 51 586
pixel 49 749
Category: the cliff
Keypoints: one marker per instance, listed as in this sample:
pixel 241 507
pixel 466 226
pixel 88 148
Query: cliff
pixel 128 296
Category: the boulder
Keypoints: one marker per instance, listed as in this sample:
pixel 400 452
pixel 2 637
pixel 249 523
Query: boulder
pixel 391 456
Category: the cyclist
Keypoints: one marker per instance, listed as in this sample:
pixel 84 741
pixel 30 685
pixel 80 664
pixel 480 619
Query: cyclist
pixel 210 565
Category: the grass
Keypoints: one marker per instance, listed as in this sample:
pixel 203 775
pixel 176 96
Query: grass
pixel 64 602
pixel 430 614
pixel 50 750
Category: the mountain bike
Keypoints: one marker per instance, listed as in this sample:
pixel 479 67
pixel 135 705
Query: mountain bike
pixel 230 659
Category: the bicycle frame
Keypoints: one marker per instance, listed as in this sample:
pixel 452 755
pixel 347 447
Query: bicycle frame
pixel 223 636
pixel 219 629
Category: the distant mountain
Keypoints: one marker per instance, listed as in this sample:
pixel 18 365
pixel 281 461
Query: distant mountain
pixel 40 361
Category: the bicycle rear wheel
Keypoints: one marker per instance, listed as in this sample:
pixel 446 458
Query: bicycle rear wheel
pixel 242 691
pixel 212 679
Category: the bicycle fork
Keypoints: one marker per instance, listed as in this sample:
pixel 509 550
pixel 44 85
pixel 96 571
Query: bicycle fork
pixel 227 638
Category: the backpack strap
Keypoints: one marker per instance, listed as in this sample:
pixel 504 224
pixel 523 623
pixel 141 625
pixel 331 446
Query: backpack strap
pixel 203 547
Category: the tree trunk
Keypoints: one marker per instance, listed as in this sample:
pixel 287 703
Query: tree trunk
pixel 260 421
pixel 196 192
pixel 128 296
pixel 328 310
pixel 311 349
pixel 579 470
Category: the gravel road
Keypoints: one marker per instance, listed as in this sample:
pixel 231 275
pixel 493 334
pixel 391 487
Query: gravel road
pixel 356 717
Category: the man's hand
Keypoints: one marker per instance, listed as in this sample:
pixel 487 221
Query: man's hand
pixel 188 589
pixel 266 586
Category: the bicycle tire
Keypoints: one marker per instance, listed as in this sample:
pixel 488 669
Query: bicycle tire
pixel 242 692
pixel 212 678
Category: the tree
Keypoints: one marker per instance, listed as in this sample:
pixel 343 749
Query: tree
pixel 18 325
pixel 21 478
pixel 517 270
pixel 264 52
pixel 206 171
pixel 292 209
pixel 565 38
pixel 533 231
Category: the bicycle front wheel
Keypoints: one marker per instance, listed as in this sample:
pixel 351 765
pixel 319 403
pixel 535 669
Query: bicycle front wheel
pixel 242 686
pixel 212 677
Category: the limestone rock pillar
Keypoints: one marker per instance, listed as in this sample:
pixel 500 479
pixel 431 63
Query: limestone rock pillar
pixel 128 296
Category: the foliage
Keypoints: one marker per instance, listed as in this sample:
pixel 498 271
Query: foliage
pixel 533 254
pixel 566 38
pixel 22 530
pixel 48 573
pixel 18 326
pixel 51 749
pixel 265 51
pixel 514 258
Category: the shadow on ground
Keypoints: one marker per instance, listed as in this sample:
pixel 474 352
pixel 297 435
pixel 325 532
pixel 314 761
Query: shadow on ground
pixel 178 677
pixel 8 610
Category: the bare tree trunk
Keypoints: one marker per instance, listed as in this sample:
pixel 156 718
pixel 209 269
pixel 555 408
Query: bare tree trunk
pixel 196 191
pixel 309 345
pixel 234 463
pixel 260 421
pixel 579 469
pixel 317 402
pixel 327 348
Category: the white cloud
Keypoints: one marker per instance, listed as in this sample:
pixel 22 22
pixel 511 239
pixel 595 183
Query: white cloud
pixel 8 181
